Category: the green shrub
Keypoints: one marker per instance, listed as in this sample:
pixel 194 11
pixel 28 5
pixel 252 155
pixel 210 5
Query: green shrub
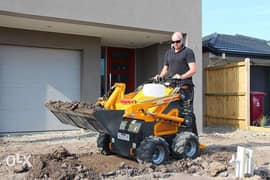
pixel 265 120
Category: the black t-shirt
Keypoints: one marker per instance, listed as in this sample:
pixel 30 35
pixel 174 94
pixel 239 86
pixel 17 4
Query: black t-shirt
pixel 178 61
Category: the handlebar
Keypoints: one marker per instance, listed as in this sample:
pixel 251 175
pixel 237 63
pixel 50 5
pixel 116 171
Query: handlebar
pixel 172 82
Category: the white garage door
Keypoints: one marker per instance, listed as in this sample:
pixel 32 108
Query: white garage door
pixel 29 77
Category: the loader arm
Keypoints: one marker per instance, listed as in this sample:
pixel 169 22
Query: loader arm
pixel 141 109
pixel 116 96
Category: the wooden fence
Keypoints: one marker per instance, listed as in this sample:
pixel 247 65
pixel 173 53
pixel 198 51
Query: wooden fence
pixel 226 98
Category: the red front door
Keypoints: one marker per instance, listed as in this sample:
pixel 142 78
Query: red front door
pixel 120 67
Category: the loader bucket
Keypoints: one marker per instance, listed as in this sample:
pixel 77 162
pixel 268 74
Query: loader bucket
pixel 103 121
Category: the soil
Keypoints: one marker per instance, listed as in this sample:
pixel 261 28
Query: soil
pixel 75 106
pixel 74 155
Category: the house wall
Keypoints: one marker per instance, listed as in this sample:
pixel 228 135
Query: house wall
pixel 141 14
pixel 157 15
pixel 146 63
pixel 162 50
pixel 89 47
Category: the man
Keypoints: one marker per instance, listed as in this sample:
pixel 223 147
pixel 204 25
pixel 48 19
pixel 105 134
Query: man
pixel 179 62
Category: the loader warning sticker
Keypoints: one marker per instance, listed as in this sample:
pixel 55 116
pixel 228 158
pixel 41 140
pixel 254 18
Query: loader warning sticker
pixel 123 136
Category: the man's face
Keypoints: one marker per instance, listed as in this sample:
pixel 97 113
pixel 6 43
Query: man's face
pixel 177 42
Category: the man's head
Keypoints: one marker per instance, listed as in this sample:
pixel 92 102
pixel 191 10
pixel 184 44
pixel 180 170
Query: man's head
pixel 177 40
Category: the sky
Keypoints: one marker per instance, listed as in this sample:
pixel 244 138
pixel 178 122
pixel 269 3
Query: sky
pixel 245 17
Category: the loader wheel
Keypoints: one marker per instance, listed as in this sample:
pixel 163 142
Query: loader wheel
pixel 103 142
pixel 153 149
pixel 185 145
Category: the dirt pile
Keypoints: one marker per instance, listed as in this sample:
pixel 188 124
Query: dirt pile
pixel 59 164
pixel 60 154
pixel 263 172
pixel 213 165
pixel 75 106
pixel 162 171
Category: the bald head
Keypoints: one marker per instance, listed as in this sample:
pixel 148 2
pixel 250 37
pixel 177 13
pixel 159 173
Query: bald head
pixel 177 40
pixel 177 36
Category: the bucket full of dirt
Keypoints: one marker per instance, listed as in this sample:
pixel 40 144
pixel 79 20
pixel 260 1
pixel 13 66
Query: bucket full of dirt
pixel 86 116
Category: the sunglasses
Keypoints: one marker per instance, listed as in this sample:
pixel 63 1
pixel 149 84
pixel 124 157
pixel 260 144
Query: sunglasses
pixel 178 41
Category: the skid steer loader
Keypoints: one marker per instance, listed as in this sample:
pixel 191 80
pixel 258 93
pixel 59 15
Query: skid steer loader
pixel 146 125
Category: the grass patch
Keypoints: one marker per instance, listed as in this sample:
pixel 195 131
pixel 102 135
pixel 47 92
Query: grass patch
pixel 265 121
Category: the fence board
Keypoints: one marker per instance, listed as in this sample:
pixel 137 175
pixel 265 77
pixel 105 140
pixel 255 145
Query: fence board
pixel 226 95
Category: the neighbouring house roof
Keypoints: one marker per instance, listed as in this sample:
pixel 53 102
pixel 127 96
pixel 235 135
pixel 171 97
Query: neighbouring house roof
pixel 238 45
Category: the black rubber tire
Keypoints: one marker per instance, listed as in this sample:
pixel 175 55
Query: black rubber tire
pixel 153 150
pixel 185 145
pixel 103 142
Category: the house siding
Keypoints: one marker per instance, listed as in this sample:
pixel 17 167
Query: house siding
pixel 147 16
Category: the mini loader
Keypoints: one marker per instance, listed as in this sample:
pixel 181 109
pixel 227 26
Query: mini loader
pixel 146 125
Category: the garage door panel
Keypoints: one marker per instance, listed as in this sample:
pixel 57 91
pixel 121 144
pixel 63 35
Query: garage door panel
pixel 29 77
pixel 11 99
pixel 53 93
pixel 20 121
pixel 24 75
